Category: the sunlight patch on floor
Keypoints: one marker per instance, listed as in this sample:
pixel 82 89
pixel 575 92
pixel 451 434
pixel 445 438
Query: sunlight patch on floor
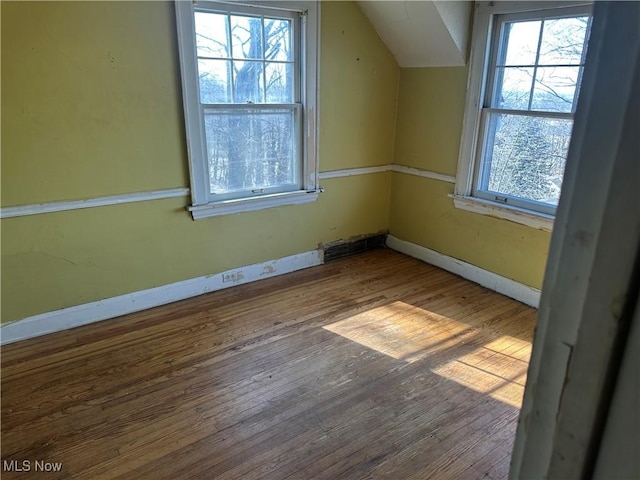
pixel 497 368
pixel 401 331
pixel 488 371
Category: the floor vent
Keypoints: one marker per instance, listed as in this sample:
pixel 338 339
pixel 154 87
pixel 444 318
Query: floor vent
pixel 359 244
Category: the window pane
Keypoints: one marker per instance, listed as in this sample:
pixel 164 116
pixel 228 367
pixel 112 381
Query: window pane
pixel 521 43
pixel 248 81
pixel 246 37
pixel 555 88
pixel 251 149
pixel 279 78
pixel 215 81
pixel 211 35
pixel 513 87
pixel 528 156
pixel 277 34
pixel 562 41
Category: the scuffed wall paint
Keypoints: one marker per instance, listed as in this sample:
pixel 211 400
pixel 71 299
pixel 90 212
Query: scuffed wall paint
pixel 92 106
pixel 91 100
pixel 430 112
pixel 508 249
pixel 358 94
pixel 70 258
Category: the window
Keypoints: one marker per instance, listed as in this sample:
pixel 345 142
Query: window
pixel 525 77
pixel 249 76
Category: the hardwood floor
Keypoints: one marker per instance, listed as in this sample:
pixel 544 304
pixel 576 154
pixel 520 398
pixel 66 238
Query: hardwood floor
pixel 375 366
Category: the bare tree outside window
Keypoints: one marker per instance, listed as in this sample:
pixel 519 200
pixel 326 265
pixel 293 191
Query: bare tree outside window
pixel 247 87
pixel 535 87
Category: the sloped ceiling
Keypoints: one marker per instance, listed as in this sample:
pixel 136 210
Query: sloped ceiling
pixel 422 33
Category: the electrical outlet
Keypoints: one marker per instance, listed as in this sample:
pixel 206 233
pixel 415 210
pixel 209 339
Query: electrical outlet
pixel 232 277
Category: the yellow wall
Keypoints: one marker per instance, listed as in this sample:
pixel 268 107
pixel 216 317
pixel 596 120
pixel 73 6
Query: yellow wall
pixel 91 106
pixel 91 100
pixel 429 125
pixel 358 91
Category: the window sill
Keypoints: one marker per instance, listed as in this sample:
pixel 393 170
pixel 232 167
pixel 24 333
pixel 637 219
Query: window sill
pixel 540 221
pixel 228 207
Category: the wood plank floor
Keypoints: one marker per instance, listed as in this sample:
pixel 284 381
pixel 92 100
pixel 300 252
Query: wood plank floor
pixel 375 366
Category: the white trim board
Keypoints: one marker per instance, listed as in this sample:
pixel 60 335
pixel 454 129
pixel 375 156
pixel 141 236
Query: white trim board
pixel 418 172
pixel 510 288
pixel 392 167
pixel 64 205
pixel 49 207
pixel 537 220
pixel 87 313
pixel 350 172
pixel 227 207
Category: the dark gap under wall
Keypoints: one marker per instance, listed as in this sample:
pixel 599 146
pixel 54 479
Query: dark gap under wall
pixel 359 244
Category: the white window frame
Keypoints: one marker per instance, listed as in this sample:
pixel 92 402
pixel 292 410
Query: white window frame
pixel 469 160
pixel 204 204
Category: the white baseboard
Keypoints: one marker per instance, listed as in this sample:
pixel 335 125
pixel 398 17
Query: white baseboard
pixel 76 316
pixel 518 291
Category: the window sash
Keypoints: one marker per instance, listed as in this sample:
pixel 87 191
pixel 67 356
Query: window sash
pixel 249 192
pixel 304 46
pixel 483 166
pixel 271 12
pixel 283 8
pixel 296 108
pixel 496 49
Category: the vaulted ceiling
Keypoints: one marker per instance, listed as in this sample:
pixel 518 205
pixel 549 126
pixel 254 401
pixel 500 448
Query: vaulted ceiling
pixel 422 33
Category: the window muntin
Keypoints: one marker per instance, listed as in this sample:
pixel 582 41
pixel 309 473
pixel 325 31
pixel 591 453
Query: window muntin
pixel 532 84
pixel 249 60
pixel 249 73
pixel 246 59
